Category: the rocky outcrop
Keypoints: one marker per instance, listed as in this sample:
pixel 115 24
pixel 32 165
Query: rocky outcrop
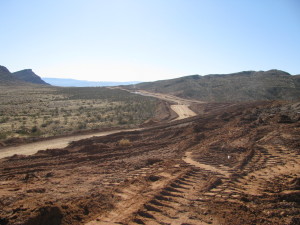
pixel 28 75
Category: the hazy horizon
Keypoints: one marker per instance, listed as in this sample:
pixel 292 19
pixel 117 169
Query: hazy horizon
pixel 117 81
pixel 134 40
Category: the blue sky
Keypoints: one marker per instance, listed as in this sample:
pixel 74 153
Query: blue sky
pixel 122 40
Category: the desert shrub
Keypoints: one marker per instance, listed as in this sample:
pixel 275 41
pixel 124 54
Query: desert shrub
pixel 34 129
pixel 4 120
pixel 121 121
pixel 44 125
pixel 3 135
pixel 124 142
pixel 56 121
pixel 57 110
pixel 82 125
pixel 23 130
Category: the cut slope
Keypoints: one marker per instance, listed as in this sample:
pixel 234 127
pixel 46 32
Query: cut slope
pixel 242 86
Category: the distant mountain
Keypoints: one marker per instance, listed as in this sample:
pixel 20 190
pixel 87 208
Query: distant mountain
pixel 242 86
pixel 5 74
pixel 83 83
pixel 28 75
pixel 6 77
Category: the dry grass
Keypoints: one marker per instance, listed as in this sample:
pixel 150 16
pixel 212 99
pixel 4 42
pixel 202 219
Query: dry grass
pixel 124 142
pixel 50 111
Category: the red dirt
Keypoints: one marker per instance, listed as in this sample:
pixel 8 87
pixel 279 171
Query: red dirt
pixel 243 159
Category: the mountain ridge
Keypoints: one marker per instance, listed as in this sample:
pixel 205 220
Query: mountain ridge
pixel 235 87
pixel 22 77
pixel 29 76
pixel 6 77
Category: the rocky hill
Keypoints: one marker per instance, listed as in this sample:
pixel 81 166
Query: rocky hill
pixel 242 86
pixel 6 78
pixel 28 75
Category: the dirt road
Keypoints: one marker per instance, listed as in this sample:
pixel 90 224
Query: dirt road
pixel 179 105
pixel 183 111
pixel 170 98
pixel 29 149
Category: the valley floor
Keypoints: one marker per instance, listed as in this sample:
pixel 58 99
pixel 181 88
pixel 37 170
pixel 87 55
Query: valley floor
pixel 179 106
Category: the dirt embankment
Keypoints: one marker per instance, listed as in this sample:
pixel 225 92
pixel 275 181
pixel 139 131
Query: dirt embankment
pixel 242 160
pixel 61 142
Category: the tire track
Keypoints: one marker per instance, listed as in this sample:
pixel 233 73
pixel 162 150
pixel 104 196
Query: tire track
pixel 174 204
pixel 137 195
pixel 179 201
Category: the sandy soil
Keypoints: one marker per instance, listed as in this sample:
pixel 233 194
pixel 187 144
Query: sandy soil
pixel 241 160
pixel 179 105
pixel 183 111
